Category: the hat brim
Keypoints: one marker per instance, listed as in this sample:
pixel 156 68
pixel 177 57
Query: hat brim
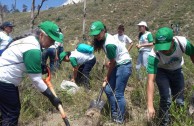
pixel 58 39
pixel 162 46
pixel 62 56
pixel 96 32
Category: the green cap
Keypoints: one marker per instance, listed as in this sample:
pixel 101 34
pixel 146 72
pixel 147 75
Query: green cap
pixel 96 27
pixel 62 56
pixel 163 39
pixel 51 29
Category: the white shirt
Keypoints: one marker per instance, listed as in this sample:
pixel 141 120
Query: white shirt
pixel 124 39
pixel 4 40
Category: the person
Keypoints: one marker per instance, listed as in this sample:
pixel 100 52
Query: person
pixel 165 66
pixel 124 39
pixel 119 69
pixel 82 63
pixel 144 47
pixel 60 49
pixel 24 56
pixel 7 28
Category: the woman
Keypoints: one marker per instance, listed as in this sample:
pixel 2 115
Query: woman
pixel 5 39
pixel 144 46
pixel 165 65
pixel 119 69
pixel 82 63
pixel 24 56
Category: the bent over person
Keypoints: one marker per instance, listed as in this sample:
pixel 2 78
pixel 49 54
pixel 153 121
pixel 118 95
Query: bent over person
pixel 24 56
pixel 165 66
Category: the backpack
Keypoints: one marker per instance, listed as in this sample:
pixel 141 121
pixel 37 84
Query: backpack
pixel 85 48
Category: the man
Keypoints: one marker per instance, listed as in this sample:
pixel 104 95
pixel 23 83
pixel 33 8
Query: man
pixel 7 28
pixel 165 65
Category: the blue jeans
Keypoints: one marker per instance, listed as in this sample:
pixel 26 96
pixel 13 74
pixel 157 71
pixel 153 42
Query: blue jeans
pixel 9 104
pixel 118 81
pixel 169 83
pixel 142 59
pixel 49 53
pixel 84 72
pixel 59 51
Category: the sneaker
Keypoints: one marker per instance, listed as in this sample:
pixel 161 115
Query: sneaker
pixel 118 121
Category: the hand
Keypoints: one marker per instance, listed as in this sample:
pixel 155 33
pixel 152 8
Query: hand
pixel 106 79
pixel 73 80
pixel 56 58
pixel 150 113
pixel 54 100
pixel 138 46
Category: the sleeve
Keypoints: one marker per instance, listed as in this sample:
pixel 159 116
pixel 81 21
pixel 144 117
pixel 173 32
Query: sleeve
pixel 189 48
pixel 38 82
pixel 150 38
pixel 111 51
pixel 152 65
pixel 73 61
pixel 128 39
pixel 32 61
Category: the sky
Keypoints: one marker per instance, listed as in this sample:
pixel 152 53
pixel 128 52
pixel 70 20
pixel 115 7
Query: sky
pixel 46 4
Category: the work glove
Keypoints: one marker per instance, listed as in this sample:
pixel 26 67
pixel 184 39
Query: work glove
pixel 54 100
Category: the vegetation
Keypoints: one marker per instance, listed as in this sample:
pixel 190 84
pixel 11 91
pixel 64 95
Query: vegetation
pixel 156 13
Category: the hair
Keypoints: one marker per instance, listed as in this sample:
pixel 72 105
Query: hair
pixel 121 27
pixel 68 53
pixel 141 33
pixel 98 45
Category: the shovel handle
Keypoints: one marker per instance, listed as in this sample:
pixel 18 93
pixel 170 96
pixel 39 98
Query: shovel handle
pixel 50 86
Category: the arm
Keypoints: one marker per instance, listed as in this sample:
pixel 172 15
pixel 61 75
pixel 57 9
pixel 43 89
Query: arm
pixel 111 54
pixel 150 42
pixel 110 68
pixel 75 69
pixel 192 58
pixel 150 95
pixel 130 46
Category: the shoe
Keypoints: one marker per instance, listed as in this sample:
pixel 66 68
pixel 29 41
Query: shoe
pixel 118 121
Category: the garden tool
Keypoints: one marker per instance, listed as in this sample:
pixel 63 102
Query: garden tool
pixel 47 80
pixel 98 103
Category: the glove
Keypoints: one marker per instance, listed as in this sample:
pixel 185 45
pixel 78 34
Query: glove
pixel 54 100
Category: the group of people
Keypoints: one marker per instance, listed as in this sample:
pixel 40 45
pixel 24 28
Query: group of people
pixel 163 59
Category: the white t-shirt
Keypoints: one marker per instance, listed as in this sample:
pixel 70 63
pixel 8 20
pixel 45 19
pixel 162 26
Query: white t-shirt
pixel 121 52
pixel 4 40
pixel 124 39
pixel 22 56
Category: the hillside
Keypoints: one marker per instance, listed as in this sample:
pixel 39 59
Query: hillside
pixel 157 13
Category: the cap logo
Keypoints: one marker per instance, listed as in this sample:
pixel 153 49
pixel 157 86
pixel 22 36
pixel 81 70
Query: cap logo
pixel 161 38
pixel 93 27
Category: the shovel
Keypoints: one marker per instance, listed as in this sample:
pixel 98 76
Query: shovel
pixel 50 86
pixel 98 103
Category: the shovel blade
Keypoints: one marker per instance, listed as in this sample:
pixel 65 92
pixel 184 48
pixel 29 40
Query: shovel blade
pixel 95 104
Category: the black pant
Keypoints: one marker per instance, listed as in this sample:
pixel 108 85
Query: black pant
pixel 9 104
pixel 84 71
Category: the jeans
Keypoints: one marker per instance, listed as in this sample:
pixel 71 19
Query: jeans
pixel 9 105
pixel 169 83
pixel 59 51
pixel 84 71
pixel 142 60
pixel 118 81
pixel 49 53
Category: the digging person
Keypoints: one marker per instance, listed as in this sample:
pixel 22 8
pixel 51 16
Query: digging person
pixel 24 56
pixel 119 69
